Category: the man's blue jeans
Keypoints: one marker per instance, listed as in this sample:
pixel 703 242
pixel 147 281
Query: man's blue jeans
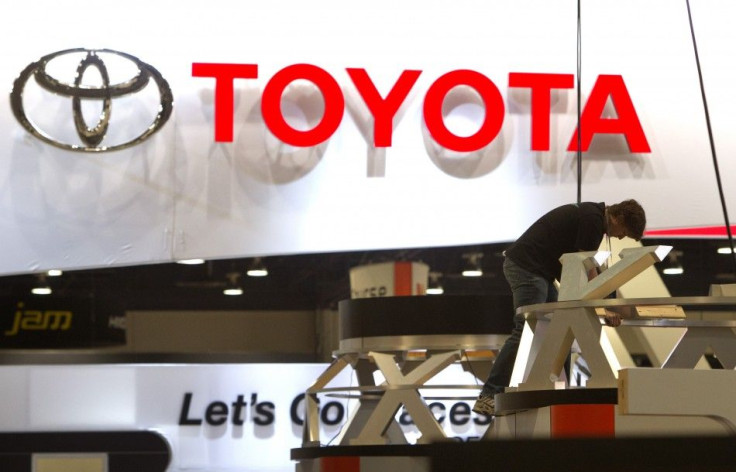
pixel 527 288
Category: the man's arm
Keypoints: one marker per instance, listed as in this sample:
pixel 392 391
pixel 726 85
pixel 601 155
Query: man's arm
pixel 610 318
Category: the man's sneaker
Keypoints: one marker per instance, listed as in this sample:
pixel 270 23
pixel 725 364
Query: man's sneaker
pixel 485 405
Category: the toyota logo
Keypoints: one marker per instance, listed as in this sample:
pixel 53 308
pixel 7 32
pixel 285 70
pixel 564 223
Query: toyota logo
pixel 86 94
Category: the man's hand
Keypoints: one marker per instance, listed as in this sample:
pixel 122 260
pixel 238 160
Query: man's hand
pixel 612 319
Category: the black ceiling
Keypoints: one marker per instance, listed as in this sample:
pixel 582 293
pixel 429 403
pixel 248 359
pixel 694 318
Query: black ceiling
pixel 315 281
pixel 295 282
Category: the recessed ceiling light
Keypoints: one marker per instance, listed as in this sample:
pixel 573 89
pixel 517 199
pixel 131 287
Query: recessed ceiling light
pixel 257 268
pixel 190 261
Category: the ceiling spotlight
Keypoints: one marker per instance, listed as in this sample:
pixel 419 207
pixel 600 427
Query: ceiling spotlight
pixel 190 261
pixel 472 265
pixel 41 287
pixel 54 273
pixel 725 250
pixel 233 288
pixel 674 266
pixel 257 268
pixel 434 287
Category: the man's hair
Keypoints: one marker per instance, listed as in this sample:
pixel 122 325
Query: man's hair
pixel 632 215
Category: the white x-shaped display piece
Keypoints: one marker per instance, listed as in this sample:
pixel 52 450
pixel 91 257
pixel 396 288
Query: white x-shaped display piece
pixel 574 283
pixel 310 433
pixel 403 390
pixel 695 342
pixel 542 362
pixel 575 324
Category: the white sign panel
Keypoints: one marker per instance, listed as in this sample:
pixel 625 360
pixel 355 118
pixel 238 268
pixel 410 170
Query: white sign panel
pixel 310 127
pixel 214 417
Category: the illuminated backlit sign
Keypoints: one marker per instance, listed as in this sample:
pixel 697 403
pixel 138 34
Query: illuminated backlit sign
pixel 244 417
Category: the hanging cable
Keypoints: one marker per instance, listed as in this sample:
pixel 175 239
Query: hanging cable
pixel 580 152
pixel 710 136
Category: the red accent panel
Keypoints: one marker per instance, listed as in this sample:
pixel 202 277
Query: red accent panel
pixel 340 464
pixel 568 421
pixel 402 278
pixel 704 231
